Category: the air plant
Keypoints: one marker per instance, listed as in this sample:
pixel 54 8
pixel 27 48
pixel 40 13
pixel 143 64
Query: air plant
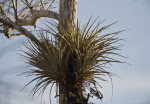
pixel 72 57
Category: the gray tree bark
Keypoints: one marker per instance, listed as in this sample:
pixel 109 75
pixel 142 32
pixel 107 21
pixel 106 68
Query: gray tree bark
pixel 68 12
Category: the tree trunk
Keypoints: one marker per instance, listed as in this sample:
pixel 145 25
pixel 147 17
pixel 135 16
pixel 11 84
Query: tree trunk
pixel 68 12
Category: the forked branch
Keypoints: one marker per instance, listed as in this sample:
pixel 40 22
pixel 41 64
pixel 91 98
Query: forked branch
pixel 20 29
pixel 28 15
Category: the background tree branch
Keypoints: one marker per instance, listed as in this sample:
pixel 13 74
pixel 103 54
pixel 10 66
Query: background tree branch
pixel 19 29
pixel 24 13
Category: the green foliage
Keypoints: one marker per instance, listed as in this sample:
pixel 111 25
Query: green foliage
pixel 75 57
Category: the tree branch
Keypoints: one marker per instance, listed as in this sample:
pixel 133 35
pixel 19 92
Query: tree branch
pixel 36 14
pixel 31 21
pixel 28 15
pixel 20 29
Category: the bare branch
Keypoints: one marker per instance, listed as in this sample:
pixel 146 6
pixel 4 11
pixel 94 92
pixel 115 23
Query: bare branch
pixel 6 32
pixel 24 13
pixel 19 34
pixel 36 14
pixel 51 5
pixel 18 28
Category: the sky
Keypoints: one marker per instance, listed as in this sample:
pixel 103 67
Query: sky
pixel 133 86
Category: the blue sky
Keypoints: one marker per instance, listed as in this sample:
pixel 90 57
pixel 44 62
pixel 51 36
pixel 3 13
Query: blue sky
pixel 134 85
